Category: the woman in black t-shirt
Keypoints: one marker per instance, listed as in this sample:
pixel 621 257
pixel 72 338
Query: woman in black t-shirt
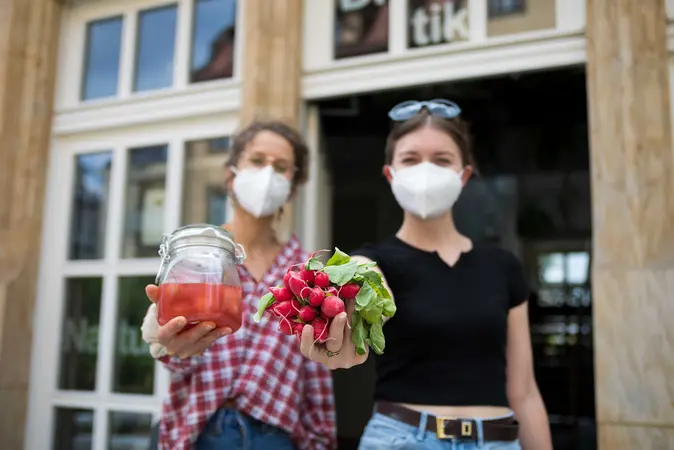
pixel 457 368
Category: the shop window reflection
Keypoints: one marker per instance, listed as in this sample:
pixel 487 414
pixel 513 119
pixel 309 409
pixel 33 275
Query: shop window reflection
pixel 204 196
pixel 133 369
pixel 213 38
pixel 102 59
pixel 79 334
pixel 499 8
pixel 155 48
pixel 73 429
pixel 144 206
pixel 90 205
pixel 129 431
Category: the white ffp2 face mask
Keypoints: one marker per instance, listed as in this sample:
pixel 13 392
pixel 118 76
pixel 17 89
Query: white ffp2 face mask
pixel 261 192
pixel 426 189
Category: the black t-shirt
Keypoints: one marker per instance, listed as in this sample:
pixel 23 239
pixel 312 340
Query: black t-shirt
pixel 446 343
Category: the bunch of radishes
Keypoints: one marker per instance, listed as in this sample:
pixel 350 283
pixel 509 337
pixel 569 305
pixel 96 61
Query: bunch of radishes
pixel 314 293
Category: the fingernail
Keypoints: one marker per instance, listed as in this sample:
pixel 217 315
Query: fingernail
pixel 226 331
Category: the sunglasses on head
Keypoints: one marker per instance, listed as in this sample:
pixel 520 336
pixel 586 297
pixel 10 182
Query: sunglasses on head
pixel 438 107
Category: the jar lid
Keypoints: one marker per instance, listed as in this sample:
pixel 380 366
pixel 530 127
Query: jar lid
pixel 201 234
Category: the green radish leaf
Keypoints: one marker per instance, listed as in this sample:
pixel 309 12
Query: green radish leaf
pixel 366 267
pixel 358 333
pixel 338 258
pixel 372 314
pixel 342 274
pixel 265 302
pixel 314 264
pixel 376 338
pixel 366 295
pixel 374 279
pixel 389 308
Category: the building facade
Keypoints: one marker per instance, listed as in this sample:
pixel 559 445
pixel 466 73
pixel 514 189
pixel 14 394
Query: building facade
pixel 115 118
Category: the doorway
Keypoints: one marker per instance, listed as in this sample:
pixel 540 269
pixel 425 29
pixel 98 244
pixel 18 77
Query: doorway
pixel 531 196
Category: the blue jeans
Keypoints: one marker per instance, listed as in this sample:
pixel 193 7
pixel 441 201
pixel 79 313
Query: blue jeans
pixel 383 432
pixel 231 430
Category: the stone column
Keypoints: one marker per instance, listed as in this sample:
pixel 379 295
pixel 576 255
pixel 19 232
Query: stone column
pixel 28 51
pixel 633 223
pixel 272 59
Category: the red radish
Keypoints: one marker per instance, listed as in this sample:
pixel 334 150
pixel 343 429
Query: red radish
pixel 332 306
pixel 332 291
pixel 308 276
pixel 320 329
pixel 286 309
pixel 349 291
pixel 281 293
pixel 286 278
pixel 298 286
pixel 321 280
pixel 285 327
pixel 297 328
pixel 316 296
pixel 307 313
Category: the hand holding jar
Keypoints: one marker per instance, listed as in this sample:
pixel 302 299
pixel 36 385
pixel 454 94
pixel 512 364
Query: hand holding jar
pixel 198 296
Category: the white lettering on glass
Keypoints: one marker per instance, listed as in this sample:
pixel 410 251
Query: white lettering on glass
pixel 82 338
pixel 438 23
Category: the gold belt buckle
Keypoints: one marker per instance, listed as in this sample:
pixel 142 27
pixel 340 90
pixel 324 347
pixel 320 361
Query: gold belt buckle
pixel 466 428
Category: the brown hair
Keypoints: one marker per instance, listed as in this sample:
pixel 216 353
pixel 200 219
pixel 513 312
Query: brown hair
pixel 456 128
pixel 300 149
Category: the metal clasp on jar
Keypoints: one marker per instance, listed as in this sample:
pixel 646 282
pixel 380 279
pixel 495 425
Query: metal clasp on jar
pixel 239 253
pixel 164 254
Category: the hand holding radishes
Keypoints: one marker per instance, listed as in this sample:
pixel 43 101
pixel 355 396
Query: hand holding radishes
pixel 315 301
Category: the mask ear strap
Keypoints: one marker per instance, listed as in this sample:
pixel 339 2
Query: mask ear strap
pixel 391 171
pixel 234 170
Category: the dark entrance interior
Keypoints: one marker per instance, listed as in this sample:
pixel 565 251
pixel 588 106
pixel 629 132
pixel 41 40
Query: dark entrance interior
pixel 532 196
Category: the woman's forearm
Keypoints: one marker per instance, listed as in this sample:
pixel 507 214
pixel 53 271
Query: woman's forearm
pixel 534 424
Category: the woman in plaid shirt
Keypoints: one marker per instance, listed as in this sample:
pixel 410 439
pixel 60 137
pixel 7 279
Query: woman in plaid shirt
pixel 252 389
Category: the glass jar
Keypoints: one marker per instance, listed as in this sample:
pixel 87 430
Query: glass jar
pixel 198 277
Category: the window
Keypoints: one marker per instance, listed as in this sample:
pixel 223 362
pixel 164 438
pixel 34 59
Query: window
pixel 499 8
pixel 204 198
pixel 74 429
pixel 102 55
pixel 79 335
pixel 129 431
pixel 213 35
pixel 90 205
pixel 144 208
pixel 361 28
pixel 563 279
pixel 133 371
pixel 434 22
pixel 156 48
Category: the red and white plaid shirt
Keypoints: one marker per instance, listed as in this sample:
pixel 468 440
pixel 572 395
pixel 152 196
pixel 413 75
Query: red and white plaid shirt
pixel 258 368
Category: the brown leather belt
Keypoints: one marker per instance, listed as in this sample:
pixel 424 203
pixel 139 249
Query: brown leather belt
pixel 504 430
pixel 229 404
